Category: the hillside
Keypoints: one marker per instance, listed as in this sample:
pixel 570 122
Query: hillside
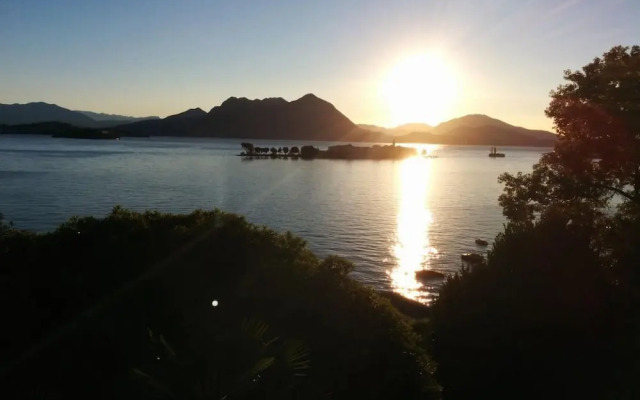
pixel 16 114
pixel 183 124
pixel 307 118
pixel 102 117
pixel 399 130
pixel 482 129
pixel 474 129
pixel 33 113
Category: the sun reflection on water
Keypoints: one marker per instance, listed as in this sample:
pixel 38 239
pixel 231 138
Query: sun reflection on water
pixel 412 248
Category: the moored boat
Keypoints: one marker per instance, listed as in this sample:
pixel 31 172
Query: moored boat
pixel 494 153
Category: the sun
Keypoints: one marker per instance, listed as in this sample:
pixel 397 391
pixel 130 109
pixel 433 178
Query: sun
pixel 420 88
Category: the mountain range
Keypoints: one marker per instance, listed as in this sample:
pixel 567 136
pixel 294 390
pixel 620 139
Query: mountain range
pixel 18 114
pixel 307 118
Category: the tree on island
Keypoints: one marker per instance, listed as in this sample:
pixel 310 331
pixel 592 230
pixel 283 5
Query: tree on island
pixel 294 150
pixel 555 311
pixel 309 152
pixel 285 150
pixel 248 147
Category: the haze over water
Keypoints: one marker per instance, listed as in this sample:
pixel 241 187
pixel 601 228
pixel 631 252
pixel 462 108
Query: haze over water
pixel 391 218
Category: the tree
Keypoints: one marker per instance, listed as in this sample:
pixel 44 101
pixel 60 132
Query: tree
pixel 309 152
pixel 248 147
pixel 79 303
pixel 563 280
pixel 534 322
pixel 285 150
pixel 597 155
pixel 294 150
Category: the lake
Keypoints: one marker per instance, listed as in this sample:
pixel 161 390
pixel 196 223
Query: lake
pixel 391 218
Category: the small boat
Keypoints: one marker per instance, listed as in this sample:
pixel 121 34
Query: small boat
pixel 481 242
pixel 494 153
pixel 472 258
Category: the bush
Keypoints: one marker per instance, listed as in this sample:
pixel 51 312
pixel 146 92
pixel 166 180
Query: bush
pixel 535 322
pixel 82 303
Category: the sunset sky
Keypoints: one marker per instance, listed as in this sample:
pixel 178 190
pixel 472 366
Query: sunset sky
pixel 379 62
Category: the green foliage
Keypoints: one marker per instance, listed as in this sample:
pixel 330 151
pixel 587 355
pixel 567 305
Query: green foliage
pixel 79 303
pixel 597 156
pixel 554 313
pixel 534 322
pixel 249 148
pixel 308 151
pixel 245 364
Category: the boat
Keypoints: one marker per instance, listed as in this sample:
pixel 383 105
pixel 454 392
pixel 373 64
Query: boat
pixel 494 153
pixel 472 258
pixel 481 242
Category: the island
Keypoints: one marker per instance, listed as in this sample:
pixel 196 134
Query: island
pixel 338 152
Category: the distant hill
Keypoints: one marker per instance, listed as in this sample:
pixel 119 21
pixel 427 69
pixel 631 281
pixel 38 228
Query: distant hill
pixel 469 121
pixel 307 118
pixel 399 130
pixel 183 124
pixel 416 137
pixel 113 117
pixel 484 130
pixel 31 113
pixel 15 114
pixel 474 129
pixel 413 127
pixel 106 120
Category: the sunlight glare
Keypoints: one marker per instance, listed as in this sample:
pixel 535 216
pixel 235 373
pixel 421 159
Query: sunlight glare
pixel 412 248
pixel 421 88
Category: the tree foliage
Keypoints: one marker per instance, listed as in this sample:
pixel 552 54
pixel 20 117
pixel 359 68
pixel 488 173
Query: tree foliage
pixel 533 322
pixel 597 155
pixel 78 305
pixel 554 313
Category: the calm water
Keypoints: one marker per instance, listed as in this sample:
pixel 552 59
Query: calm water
pixel 390 218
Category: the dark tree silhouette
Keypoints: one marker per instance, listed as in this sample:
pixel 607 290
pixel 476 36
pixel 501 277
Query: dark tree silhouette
pixel 560 292
pixel 309 152
pixel 80 305
pixel 248 147
pixel 597 117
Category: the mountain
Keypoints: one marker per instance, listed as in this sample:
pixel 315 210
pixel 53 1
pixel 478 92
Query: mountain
pixel 307 118
pixel 474 129
pixel 113 118
pixel 183 124
pixel 416 137
pixel 468 121
pixel 413 127
pixel 15 114
pixel 399 130
pixel 31 113
pixel 484 130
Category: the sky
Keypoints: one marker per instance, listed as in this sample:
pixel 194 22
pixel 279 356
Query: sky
pixel 378 62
